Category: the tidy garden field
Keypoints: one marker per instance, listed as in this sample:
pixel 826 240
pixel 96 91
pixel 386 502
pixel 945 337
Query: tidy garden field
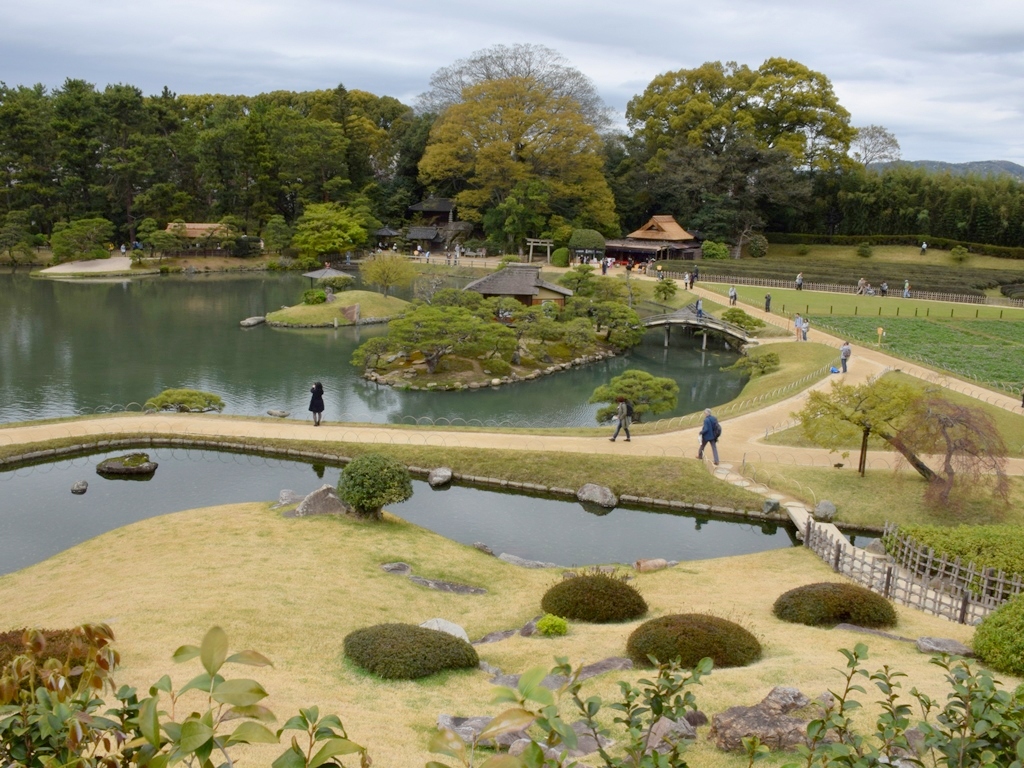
pixel 989 350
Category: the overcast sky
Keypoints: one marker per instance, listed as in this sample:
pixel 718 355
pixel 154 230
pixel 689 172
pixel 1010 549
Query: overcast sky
pixel 946 77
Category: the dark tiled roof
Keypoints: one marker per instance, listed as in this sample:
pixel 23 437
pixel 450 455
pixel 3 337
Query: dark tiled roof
pixel 434 205
pixel 515 280
pixel 387 232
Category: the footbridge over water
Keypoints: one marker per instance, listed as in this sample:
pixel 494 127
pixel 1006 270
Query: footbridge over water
pixel 687 317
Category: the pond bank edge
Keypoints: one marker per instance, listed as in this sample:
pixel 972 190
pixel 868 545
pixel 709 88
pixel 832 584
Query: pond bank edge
pixel 292 453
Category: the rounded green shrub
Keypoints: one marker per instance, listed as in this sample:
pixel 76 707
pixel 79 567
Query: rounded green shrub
pixel 407 652
pixel 864 250
pixel 595 597
pixel 336 283
pixel 999 639
pixel 829 603
pixel 757 246
pixel 552 626
pixel 690 637
pixel 185 401
pixel 371 481
pixel 560 257
pixel 314 296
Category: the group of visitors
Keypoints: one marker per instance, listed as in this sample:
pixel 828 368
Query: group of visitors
pixel 689 278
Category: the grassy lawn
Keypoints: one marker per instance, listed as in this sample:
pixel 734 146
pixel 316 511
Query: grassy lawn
pixel 799 363
pixel 786 301
pixel 883 495
pixel 1010 425
pixel 894 254
pixel 371 304
pixel 294 588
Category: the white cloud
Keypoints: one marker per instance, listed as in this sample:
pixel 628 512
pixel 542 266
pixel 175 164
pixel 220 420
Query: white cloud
pixel 946 78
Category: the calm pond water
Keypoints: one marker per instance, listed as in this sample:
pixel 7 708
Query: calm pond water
pixel 71 347
pixel 40 517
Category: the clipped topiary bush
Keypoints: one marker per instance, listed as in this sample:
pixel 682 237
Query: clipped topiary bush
pixel 864 250
pixel 552 626
pixel 408 652
pixel 560 257
pixel 314 296
pixel 690 637
pixel 999 639
pixel 595 597
pixel 185 401
pixel 829 603
pixel 371 481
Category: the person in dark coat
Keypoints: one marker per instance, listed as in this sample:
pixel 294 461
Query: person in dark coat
pixel 709 433
pixel 316 402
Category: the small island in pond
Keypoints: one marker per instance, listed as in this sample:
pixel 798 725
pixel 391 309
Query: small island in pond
pixel 347 308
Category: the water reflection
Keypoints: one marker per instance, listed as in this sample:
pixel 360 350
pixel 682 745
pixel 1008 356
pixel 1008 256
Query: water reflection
pixel 40 517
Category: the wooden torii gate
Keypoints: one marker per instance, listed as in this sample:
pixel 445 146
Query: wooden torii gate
pixel 532 241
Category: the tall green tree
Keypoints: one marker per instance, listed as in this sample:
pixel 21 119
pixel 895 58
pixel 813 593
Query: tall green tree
pixel 650 395
pixel 514 134
pixel 326 228
pixel 81 239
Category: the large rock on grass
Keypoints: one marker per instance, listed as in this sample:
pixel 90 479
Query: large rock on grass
pixel 448 627
pixel 323 501
pixel 769 720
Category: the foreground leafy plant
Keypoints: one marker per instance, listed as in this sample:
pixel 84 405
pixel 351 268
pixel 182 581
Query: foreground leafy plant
pixel 643 714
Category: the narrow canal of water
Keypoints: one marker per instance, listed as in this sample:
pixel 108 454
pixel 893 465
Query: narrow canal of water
pixel 40 517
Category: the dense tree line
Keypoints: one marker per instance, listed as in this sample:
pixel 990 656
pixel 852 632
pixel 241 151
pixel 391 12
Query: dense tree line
pixel 514 134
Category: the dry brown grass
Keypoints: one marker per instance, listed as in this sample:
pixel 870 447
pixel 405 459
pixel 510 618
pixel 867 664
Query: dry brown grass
pixel 293 588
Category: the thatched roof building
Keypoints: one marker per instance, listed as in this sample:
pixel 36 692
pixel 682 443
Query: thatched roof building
pixel 660 238
pixel 521 282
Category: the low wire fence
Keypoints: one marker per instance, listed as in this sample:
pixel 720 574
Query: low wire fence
pixel 895 582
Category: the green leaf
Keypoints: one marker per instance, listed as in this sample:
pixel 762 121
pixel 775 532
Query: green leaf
pixel 253 733
pixel 508 721
pixel 290 758
pixel 294 723
pixel 163 684
pixel 201 682
pixel 256 712
pixel 530 679
pixel 505 695
pixel 435 764
pixel 214 650
pixel 149 721
pixel 185 653
pixel 447 742
pixel 194 734
pixel 251 658
pixel 332 748
pixel 239 693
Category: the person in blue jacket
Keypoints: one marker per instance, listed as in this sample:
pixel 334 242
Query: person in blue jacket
pixel 709 433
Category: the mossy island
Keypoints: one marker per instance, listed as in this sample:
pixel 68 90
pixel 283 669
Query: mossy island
pixel 347 308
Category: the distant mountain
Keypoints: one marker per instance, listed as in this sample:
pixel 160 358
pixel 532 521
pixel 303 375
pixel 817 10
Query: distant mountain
pixel 980 167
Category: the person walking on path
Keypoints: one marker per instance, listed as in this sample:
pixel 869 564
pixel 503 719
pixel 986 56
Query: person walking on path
pixel 906 289
pixel 709 433
pixel 807 327
pixel 316 402
pixel 844 354
pixel 695 276
pixel 700 309
pixel 732 296
pixel 800 281
pixel 624 413
pixel 767 302
pixel 798 326
pixel 924 248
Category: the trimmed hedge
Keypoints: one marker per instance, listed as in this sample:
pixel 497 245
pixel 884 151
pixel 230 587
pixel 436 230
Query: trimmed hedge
pixel 829 603
pixel 943 243
pixel 595 597
pixel 999 547
pixel 408 652
pixel 939 278
pixel 691 637
pixel 999 639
